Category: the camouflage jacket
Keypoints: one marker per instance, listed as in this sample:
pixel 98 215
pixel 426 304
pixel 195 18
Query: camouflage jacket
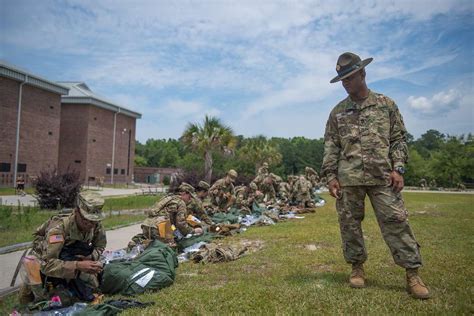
pixel 221 193
pixel 172 207
pixel 195 207
pixel 61 231
pixel 364 143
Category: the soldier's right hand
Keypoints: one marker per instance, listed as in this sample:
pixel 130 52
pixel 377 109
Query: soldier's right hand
pixel 335 189
pixel 88 266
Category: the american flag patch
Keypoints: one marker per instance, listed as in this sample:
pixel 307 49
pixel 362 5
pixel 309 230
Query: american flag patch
pixel 55 239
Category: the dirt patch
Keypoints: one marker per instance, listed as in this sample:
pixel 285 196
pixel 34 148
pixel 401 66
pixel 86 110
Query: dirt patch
pixel 322 267
pixel 316 246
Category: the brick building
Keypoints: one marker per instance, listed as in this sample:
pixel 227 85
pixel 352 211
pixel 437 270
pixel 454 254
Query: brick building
pixel 30 109
pixel 62 125
pixel 97 137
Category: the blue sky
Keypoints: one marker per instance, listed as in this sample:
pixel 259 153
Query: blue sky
pixel 263 67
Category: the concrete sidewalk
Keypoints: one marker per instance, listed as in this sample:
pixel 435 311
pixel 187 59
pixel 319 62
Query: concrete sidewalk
pixel 116 239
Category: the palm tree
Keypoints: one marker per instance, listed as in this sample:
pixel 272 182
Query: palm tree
pixel 259 150
pixel 212 136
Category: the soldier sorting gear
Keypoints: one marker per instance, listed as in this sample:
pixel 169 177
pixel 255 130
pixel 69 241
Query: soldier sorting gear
pixel 222 192
pixel 167 220
pixel 64 260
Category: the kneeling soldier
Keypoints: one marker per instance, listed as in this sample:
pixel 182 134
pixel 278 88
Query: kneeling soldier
pixel 65 254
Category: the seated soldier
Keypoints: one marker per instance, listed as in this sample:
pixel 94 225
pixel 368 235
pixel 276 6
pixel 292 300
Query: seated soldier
pixel 194 206
pixel 242 199
pixel 222 192
pixel 166 221
pixel 303 192
pixel 64 259
pixel 284 192
pixel 312 176
pixel 268 190
pixel 202 193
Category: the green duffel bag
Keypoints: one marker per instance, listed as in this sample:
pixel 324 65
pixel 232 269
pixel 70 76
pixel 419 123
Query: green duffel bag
pixel 154 269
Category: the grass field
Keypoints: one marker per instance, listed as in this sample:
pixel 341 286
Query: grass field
pixel 11 191
pixel 300 269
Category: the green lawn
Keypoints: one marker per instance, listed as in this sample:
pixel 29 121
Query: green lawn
pixel 17 226
pixel 11 191
pixel 130 202
pixel 287 277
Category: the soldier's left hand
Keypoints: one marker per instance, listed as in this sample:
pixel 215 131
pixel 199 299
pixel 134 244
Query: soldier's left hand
pixel 396 181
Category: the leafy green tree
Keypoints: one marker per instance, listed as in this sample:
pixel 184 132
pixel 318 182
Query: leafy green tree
pixel 258 150
pixel 140 161
pixel 417 168
pixel 212 136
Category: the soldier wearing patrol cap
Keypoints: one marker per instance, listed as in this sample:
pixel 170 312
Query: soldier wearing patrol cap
pixel 194 206
pixel 222 192
pixel 167 220
pixel 66 252
pixel 365 152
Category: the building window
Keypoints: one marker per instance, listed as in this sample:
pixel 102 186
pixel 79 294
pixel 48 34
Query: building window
pixel 122 171
pixel 77 161
pixel 108 170
pixel 51 107
pixel 115 171
pixel 5 167
pixel 93 140
pixel 50 133
pixel 95 118
pixel 21 167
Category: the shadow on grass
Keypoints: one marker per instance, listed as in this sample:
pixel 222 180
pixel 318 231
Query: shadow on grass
pixel 327 277
pixel 376 284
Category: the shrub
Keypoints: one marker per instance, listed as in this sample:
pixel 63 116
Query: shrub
pixel 55 190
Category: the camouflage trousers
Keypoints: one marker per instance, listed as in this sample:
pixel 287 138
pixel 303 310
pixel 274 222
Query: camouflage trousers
pixel 391 216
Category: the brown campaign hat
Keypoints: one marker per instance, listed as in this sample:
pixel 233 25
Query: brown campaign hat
pixel 347 64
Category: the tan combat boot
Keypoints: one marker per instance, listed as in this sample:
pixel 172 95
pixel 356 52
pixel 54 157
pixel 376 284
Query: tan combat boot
pixel 415 286
pixel 357 278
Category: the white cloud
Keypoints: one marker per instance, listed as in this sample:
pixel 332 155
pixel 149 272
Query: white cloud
pixel 441 102
pixel 186 109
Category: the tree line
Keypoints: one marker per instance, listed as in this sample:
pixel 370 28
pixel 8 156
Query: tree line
pixel 210 149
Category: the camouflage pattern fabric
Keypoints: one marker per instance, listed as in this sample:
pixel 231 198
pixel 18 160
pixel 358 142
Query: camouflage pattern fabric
pixel 268 190
pixel 222 194
pixel 363 143
pixel 284 191
pixel 50 239
pixel 392 218
pixel 195 208
pixel 302 192
pixel 173 208
pixel 312 176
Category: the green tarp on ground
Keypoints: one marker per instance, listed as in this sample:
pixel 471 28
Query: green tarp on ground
pixel 154 269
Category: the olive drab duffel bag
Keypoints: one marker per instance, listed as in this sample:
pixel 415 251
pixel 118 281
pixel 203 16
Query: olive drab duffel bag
pixel 154 269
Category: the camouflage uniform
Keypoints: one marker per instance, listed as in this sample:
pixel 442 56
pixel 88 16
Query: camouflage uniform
pixel 222 195
pixel 172 208
pixel 363 144
pixel 242 201
pixel 302 192
pixel 312 176
pixel 284 191
pixel 195 208
pixel 55 235
pixel 268 190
